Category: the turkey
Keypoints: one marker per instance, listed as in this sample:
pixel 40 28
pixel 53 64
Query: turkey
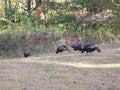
pixel 77 46
pixel 90 47
pixel 27 53
pixel 62 48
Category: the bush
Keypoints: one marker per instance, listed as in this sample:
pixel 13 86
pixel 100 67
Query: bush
pixel 14 41
pixel 3 23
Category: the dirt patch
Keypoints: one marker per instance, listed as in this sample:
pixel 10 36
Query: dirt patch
pixel 66 71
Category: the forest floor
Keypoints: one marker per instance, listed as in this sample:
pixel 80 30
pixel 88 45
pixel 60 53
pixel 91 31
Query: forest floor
pixel 65 71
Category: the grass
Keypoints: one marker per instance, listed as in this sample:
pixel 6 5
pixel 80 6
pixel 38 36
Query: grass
pixel 66 71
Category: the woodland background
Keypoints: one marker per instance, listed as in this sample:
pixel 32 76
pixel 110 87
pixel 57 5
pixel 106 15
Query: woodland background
pixel 41 25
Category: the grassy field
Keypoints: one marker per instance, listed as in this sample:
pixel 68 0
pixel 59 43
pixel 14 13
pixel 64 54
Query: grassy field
pixel 65 71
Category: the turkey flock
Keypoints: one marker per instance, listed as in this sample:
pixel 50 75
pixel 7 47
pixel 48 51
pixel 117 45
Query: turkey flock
pixel 88 48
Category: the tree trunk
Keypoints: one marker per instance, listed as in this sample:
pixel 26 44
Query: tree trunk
pixel 28 5
pixel 38 2
pixel 10 4
pixel 5 7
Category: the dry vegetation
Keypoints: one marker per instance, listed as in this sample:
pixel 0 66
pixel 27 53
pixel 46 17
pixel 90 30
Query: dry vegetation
pixel 66 71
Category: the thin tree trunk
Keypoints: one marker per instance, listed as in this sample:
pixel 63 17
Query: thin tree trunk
pixel 9 2
pixel 5 7
pixel 38 2
pixel 5 4
pixel 28 5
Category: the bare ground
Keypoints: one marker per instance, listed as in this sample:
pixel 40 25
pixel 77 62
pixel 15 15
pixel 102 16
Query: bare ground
pixel 66 71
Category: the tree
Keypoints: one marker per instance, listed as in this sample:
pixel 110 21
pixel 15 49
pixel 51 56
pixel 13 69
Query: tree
pixel 38 2
pixel 28 5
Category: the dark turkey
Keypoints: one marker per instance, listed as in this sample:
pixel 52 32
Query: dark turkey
pixel 90 47
pixel 77 46
pixel 62 48
pixel 27 53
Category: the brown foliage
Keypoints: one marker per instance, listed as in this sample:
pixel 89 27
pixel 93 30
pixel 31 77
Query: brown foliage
pixel 37 13
pixel 72 38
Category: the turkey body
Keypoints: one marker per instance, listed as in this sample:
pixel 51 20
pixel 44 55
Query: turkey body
pixel 77 46
pixel 90 47
pixel 27 53
pixel 62 48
